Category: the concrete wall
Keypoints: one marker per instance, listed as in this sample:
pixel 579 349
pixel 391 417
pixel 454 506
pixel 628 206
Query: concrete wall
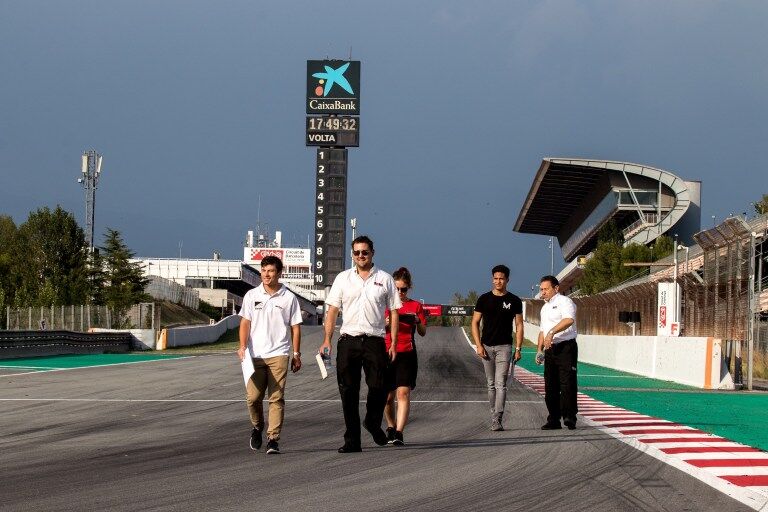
pixel 196 334
pixel 692 361
pixel 141 339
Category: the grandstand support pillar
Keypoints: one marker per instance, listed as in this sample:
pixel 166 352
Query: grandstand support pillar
pixel 634 199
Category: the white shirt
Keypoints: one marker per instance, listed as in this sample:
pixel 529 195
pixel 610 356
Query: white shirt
pixel 363 302
pixel 554 310
pixel 271 318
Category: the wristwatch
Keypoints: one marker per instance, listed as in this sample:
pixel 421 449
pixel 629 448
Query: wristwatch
pixel 297 354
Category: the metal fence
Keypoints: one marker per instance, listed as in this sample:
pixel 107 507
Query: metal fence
pixel 81 318
pixel 725 297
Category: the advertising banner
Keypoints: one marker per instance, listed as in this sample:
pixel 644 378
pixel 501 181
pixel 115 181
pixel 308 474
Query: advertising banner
pixel 668 310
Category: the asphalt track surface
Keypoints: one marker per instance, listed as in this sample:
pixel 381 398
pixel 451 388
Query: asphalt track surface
pixel 173 435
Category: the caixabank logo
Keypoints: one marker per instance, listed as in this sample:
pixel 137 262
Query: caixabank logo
pixel 333 87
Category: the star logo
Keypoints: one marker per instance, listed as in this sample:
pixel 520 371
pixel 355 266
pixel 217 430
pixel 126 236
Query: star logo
pixel 330 78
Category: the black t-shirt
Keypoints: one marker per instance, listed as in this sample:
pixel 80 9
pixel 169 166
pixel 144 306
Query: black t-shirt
pixel 498 317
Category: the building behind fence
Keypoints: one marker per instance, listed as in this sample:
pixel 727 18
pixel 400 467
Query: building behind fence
pixel 160 288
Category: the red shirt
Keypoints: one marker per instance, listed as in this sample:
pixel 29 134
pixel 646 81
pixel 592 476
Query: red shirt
pixel 406 329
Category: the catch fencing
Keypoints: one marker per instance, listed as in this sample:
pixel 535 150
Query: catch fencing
pixel 724 295
pixel 81 318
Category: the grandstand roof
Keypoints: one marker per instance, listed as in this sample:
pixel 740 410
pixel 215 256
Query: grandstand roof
pixel 569 199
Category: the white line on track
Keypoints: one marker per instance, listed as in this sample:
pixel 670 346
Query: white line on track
pixel 93 366
pixel 226 400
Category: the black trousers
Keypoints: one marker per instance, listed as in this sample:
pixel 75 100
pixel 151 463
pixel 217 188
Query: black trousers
pixel 368 353
pixel 560 384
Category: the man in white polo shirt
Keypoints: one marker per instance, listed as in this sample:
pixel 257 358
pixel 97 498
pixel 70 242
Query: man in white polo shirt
pixel 270 323
pixel 557 339
pixel 362 293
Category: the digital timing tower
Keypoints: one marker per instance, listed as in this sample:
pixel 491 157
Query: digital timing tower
pixel 333 124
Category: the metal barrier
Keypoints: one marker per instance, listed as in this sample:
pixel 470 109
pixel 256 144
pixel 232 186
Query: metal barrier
pixel 41 343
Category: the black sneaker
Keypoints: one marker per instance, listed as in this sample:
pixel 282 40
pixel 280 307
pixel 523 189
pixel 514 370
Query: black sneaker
pixel 390 435
pixel 551 426
pixel 349 449
pixel 272 446
pixel 570 424
pixel 255 439
pixel 398 439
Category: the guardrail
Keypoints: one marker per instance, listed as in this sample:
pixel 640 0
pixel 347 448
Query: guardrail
pixel 15 344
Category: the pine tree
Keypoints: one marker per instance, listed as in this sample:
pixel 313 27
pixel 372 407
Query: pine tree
pixel 124 280
pixel 761 207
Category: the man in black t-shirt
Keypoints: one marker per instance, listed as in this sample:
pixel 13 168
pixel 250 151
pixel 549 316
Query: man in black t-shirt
pixel 498 309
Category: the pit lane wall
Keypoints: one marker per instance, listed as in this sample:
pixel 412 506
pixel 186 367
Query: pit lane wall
pixel 693 361
pixel 195 334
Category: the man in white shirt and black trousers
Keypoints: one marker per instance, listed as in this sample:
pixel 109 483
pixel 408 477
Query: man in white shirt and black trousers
pixel 362 293
pixel 557 339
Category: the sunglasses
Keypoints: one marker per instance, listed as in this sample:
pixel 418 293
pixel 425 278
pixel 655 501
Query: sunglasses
pixel 361 253
pixel 403 290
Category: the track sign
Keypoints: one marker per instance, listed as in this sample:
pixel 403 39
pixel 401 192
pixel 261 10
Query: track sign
pixel 333 87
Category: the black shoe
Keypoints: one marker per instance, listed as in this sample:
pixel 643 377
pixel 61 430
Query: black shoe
pixel 390 435
pixel 379 437
pixel 272 447
pixel 398 439
pixel 255 439
pixel 570 424
pixel 350 449
pixel 551 426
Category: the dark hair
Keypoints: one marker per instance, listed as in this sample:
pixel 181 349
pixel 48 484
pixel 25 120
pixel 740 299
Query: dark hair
pixel 403 274
pixel 501 268
pixel 272 260
pixel 552 280
pixel 363 240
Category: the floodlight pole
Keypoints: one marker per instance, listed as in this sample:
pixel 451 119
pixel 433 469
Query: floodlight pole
pixel 551 256
pixel 90 171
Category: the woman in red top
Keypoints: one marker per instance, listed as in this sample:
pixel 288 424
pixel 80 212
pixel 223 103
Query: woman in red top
pixel 401 374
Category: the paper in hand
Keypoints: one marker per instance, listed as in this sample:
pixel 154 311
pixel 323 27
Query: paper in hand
pixel 247 366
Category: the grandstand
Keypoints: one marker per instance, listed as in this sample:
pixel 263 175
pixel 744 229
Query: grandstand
pixel 571 199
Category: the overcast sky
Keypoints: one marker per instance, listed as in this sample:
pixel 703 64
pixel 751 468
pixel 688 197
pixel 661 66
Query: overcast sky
pixel 198 109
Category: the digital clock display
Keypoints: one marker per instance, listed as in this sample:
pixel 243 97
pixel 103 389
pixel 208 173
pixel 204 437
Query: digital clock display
pixel 332 124
pixel 333 131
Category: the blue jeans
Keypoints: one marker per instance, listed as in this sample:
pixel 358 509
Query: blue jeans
pixel 496 374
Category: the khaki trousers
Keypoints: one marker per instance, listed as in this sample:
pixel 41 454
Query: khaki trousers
pixel 269 377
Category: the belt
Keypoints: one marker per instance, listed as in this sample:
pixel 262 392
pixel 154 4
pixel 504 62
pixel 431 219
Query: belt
pixel 360 336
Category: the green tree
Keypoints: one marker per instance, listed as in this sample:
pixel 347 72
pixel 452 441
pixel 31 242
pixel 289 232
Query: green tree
pixel 761 207
pixel 7 242
pixel 663 247
pixel 124 279
pixel 603 270
pixel 606 268
pixel 50 267
pixel 97 277
pixel 610 232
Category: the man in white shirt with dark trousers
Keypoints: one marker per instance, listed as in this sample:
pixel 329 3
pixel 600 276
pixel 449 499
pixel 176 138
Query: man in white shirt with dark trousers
pixel 362 293
pixel 557 339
